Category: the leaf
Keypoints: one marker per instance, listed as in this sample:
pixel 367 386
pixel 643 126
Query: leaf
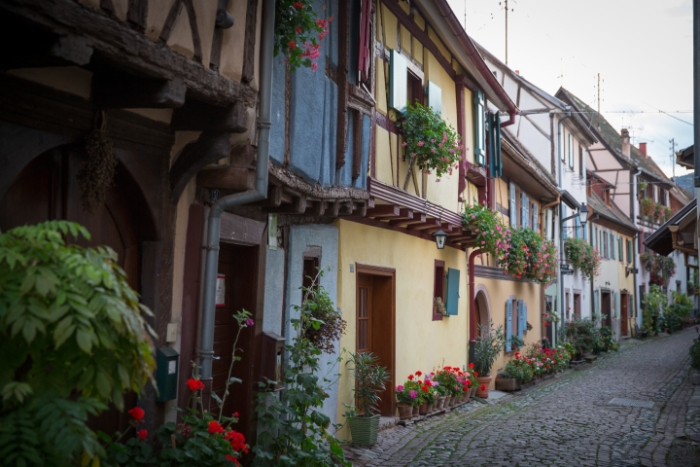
pixel 28 282
pixel 103 385
pixel 42 285
pixel 29 330
pixel 84 340
pixel 235 380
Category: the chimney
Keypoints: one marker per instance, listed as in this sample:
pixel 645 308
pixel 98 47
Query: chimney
pixel 643 148
pixel 517 72
pixel 625 142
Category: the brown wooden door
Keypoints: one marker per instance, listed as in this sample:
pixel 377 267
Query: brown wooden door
pixel 240 265
pixel 624 314
pixel 47 189
pixel 375 324
pixel 577 306
pixel 606 310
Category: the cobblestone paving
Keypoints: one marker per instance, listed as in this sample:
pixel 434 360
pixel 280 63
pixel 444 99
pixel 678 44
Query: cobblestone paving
pixel 566 422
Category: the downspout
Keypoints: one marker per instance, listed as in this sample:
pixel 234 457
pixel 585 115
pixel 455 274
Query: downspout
pixel 561 226
pixel 635 252
pixel 206 351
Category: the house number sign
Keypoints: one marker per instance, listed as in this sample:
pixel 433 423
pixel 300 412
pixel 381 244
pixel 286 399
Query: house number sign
pixel 220 290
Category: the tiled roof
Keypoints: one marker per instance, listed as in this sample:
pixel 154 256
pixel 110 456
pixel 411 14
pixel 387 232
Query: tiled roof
pixel 611 212
pixel 613 140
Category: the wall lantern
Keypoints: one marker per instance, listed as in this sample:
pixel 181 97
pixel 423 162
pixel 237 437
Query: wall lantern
pixel 583 213
pixel 440 238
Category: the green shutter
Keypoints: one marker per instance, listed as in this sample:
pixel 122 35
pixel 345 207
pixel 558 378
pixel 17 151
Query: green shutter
pixel 619 251
pixel 479 128
pixel 615 304
pixel 509 323
pixel 497 147
pixel 452 305
pixel 525 210
pixel 521 318
pixel 512 209
pixel 595 303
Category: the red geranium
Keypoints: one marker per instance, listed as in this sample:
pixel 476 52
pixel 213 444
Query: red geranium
pixel 471 365
pixel 298 5
pixel 232 459
pixel 483 387
pixel 424 388
pixel 237 441
pixel 410 377
pixel 142 434
pixel 419 373
pixel 215 427
pixel 195 384
pixel 137 413
pixel 476 373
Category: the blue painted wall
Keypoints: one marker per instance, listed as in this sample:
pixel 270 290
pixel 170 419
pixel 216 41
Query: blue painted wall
pixel 314 112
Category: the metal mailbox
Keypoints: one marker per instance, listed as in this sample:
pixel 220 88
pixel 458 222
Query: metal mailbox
pixel 167 368
pixel 272 361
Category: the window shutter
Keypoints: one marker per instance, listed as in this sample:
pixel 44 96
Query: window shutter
pixel 571 150
pixel 365 52
pixel 452 305
pixel 615 304
pixel 595 303
pixel 535 218
pixel 548 224
pixel 563 227
pixel 435 97
pixel 611 240
pixel 509 323
pixel 521 318
pixel 630 307
pixel 578 227
pixel 497 145
pixel 398 86
pixel 479 128
pixel 513 208
pixel 594 234
pixel 490 129
pixel 525 210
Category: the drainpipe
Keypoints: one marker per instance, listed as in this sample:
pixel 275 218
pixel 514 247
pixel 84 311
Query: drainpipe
pixel 561 226
pixel 206 351
pixel 635 250
pixel 472 304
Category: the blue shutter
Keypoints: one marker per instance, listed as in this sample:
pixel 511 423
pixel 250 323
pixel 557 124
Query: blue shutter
pixel 535 218
pixel 578 227
pixel 563 227
pixel 525 210
pixel 619 251
pixel 521 318
pixel 452 291
pixel 595 303
pixel 398 84
pixel 513 208
pixel 479 128
pixel 509 323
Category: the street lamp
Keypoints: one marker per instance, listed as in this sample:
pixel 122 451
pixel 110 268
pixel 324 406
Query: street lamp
pixel 583 214
pixel 440 238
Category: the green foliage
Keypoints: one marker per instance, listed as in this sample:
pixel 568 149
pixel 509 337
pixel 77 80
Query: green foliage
pixel 72 337
pixel 516 342
pixel 583 335
pixel 298 33
pixel 582 256
pixel 661 268
pixel 487 227
pixel 370 380
pixel 606 339
pixel 324 324
pixel 654 304
pixel 488 347
pixel 519 369
pixel 294 430
pixel 430 141
pixel 695 353
pixel 680 308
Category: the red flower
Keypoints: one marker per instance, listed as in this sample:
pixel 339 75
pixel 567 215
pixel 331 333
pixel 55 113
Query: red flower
pixel 232 459
pixel 292 45
pixel 410 377
pixel 137 413
pixel 424 388
pixel 483 387
pixel 298 5
pixel 195 384
pixel 419 373
pixel 476 373
pixel 447 368
pixel 471 365
pixel 299 30
pixel 142 434
pixel 215 427
pixel 237 441
pixel 235 414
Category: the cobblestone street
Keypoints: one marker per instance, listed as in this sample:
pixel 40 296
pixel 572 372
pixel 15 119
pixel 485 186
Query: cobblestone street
pixel 567 421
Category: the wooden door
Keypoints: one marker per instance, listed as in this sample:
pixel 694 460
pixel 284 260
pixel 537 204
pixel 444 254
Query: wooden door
pixel 577 306
pixel 567 307
pixel 624 314
pixel 607 309
pixel 549 326
pixel 239 265
pixel 47 189
pixel 375 324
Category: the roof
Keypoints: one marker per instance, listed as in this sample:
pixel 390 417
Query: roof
pixel 526 171
pixel 609 136
pixel 609 212
pixel 661 241
pixel 686 157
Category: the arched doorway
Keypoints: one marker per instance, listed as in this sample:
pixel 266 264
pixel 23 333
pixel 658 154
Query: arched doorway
pixel 483 309
pixel 47 189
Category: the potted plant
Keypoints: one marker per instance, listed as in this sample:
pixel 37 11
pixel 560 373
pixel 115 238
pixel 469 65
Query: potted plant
pixel 647 206
pixel 406 398
pixel 489 345
pixel 370 381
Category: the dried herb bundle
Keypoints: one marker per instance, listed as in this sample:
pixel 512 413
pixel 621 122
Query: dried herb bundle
pixel 96 175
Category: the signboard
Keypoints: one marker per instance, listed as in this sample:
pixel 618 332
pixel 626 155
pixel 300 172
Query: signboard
pixel 220 290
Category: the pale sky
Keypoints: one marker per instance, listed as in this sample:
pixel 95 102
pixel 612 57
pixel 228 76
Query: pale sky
pixel 642 49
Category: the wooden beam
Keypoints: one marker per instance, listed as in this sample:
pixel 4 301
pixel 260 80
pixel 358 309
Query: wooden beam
pixel 127 49
pixel 319 208
pixel 341 74
pixel 356 144
pixel 429 224
pixel 385 211
pixel 335 208
pixel 227 178
pixel 46 52
pixel 359 209
pixel 210 147
pixel 417 218
pixel 200 116
pixel 112 89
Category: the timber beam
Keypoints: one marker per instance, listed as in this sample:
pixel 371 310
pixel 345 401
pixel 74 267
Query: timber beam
pixel 200 116
pixel 227 178
pixel 43 51
pixel 209 148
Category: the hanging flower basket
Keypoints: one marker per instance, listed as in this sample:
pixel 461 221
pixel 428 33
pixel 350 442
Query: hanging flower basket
pixel 647 206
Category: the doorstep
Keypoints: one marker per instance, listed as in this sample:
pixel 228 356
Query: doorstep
pixel 387 422
pixel 421 418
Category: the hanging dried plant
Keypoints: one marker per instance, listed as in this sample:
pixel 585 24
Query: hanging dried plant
pixel 97 173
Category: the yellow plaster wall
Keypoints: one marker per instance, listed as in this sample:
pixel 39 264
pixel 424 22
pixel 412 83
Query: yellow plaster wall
pixel 231 64
pixel 441 47
pixel 380 91
pixel 420 342
pixel 417 51
pixel 469 124
pixel 156 17
pixel 498 292
pixel 387 25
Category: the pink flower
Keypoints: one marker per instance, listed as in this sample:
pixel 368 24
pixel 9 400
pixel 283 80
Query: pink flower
pixel 404 144
pixel 437 180
pixel 399 388
pixel 248 321
pixel 413 394
pixel 314 66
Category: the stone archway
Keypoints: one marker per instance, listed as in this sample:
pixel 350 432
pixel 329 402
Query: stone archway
pixel 483 307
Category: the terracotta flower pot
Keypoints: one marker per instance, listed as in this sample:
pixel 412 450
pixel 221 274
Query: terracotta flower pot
pixel 441 403
pixel 415 410
pixel 484 381
pixel 423 408
pixel 405 411
pixel 431 407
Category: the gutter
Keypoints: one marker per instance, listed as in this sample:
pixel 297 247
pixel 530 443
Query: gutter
pixel 206 351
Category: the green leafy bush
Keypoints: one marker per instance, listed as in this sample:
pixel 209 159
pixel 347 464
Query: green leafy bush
pixel 653 306
pixel 583 335
pixel 73 340
pixel 582 256
pixel 489 345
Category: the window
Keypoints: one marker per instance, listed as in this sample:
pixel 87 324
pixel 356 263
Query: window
pixel 678 286
pixel 414 87
pixel 438 288
pixel 516 320
pixel 594 236
pixel 479 128
pixel 570 151
pixel 398 84
pixel 535 218
pixel 310 272
pixel 496 162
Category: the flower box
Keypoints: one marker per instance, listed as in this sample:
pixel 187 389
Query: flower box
pixel 507 384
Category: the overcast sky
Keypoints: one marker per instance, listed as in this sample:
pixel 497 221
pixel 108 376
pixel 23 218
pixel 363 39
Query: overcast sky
pixel 642 50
